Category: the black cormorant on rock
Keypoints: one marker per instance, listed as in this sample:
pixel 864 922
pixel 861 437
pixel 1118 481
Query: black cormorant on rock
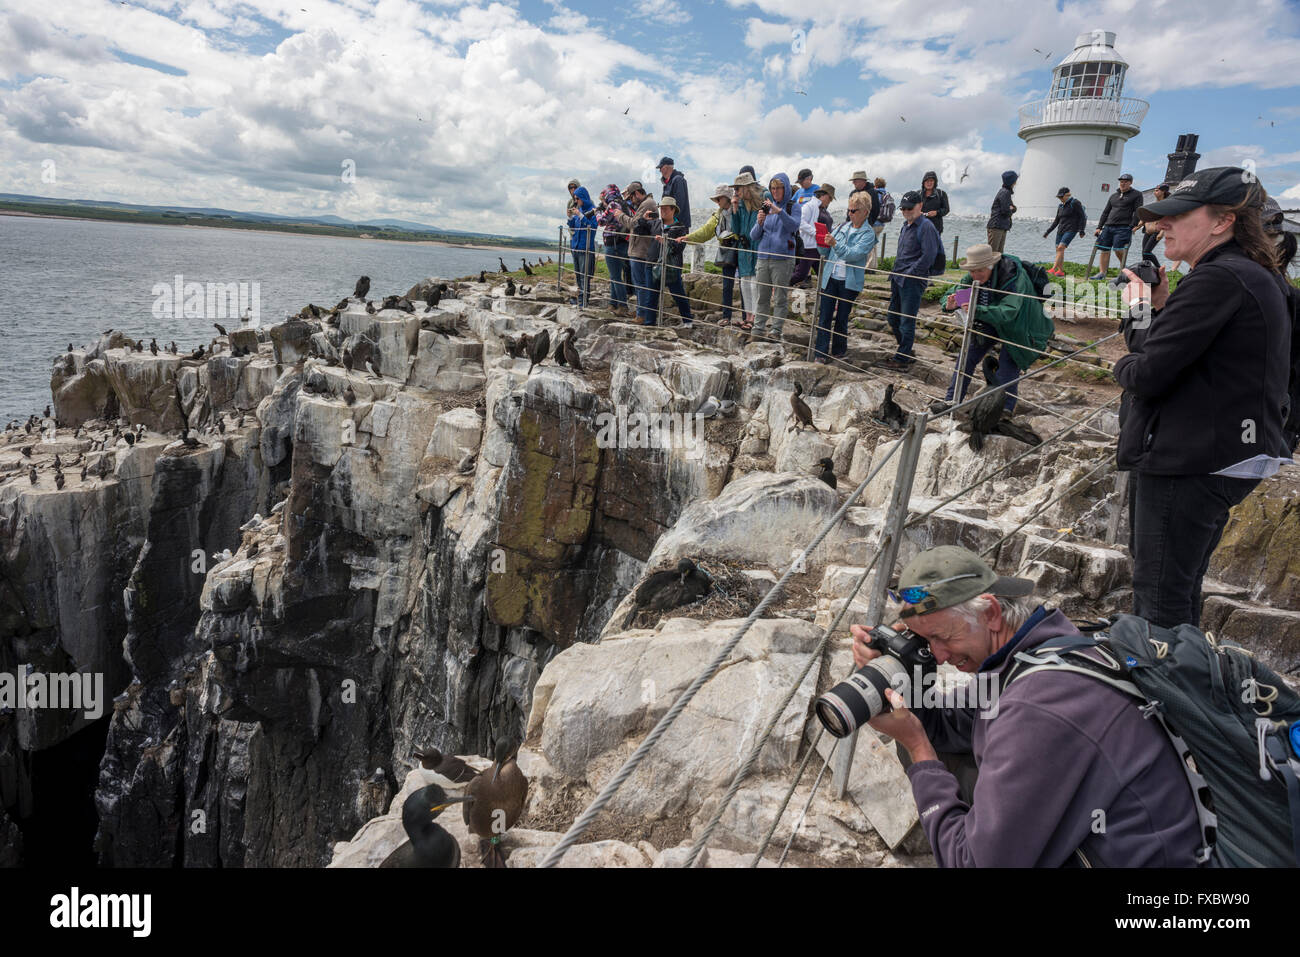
pixel 432 298
pixel 221 330
pixel 189 441
pixel 85 467
pixel 510 286
pixel 363 287
pixel 516 346
pixel 827 473
pixel 370 308
pixel 31 474
pixel 538 346
pixel 527 271
pixel 570 351
pixel 496 799
pixel 153 346
pixel 503 264
pixel 482 275
pixel 802 414
pixel 343 304
pixel 349 396
pixel 429 844
pixel 670 588
pixel 890 414
pixel 986 415
pixel 58 480
pixel 26 450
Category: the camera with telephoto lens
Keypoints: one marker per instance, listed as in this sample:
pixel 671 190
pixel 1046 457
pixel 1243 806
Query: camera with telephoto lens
pixel 1148 271
pixel 861 696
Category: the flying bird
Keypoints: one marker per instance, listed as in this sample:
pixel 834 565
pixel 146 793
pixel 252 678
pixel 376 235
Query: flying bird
pixel 964 173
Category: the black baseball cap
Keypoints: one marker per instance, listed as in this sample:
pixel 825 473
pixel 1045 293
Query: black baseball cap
pixel 1226 185
pixel 1126 176
pixel 910 198
pixel 1273 219
pixel 1062 191
pixel 802 173
pixel 666 161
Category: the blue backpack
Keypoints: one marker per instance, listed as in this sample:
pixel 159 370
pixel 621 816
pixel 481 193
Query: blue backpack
pixel 1233 721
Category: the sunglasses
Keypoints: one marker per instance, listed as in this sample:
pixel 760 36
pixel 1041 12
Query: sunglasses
pixel 919 593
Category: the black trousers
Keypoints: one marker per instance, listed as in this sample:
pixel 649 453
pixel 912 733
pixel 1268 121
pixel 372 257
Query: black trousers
pixel 1176 522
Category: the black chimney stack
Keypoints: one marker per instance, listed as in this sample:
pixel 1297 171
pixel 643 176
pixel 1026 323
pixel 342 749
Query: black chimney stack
pixel 1183 159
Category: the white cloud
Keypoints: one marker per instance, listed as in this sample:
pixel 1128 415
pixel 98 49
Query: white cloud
pixel 666 12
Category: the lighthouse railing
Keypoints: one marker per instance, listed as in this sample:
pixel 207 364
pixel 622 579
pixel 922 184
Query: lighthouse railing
pixel 1126 111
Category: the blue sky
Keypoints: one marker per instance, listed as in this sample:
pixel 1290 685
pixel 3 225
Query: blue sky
pixel 473 115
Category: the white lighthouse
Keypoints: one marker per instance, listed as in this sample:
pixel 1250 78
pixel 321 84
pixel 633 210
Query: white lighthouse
pixel 1075 135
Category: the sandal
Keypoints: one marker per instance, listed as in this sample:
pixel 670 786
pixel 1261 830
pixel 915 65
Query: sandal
pixel 745 325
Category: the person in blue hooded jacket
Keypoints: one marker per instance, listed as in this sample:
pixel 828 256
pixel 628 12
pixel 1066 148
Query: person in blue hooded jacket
pixel 841 277
pixel 582 225
pixel 773 240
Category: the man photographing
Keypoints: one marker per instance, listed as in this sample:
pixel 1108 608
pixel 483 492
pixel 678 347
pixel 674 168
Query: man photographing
pixel 1069 770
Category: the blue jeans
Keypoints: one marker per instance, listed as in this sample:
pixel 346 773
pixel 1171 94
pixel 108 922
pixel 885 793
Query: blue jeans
pixel 620 272
pixel 1007 370
pixel 904 302
pixel 728 284
pixel 677 289
pixel 1175 523
pixel 647 293
pixel 584 264
pixel 1064 237
pixel 837 301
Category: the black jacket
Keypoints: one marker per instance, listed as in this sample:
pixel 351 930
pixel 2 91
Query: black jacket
pixel 1070 217
pixel 1209 373
pixel 676 188
pixel 937 202
pixel 1000 218
pixel 1121 208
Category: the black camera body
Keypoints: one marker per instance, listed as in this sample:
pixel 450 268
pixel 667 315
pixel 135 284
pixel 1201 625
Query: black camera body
pixel 1147 270
pixel 861 696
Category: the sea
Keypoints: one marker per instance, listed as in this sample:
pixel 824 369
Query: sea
pixel 65 280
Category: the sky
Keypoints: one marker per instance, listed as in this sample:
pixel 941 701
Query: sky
pixel 473 115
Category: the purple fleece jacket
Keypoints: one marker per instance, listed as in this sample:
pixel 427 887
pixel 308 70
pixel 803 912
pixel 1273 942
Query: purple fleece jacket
pixel 1061 748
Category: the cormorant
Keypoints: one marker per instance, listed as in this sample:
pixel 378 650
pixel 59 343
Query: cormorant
pixel 429 844
pixel 670 588
pixel 370 308
pixel 827 473
pixel 538 346
pixel 26 450
pixel 527 271
pixel 986 415
pixel 510 286
pixel 431 299
pixel 802 414
pixel 153 346
pixel 221 330
pixel 85 467
pixel 448 765
pixel 189 441
pixel 69 346
pixel 482 275
pixel 496 799
pixel 58 480
pixel 31 474
pixel 349 396
pixel 130 438
pixel 571 351
pixel 890 414
pixel 503 264
pixel 347 358
pixel 374 369
pixel 516 346
pixel 58 462
pixel 343 304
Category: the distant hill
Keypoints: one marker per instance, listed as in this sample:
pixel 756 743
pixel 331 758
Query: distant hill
pixel 400 229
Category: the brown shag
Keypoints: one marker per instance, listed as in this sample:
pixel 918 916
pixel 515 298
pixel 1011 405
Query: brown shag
pixel 538 346
pixel 497 798
pixel 448 765
pixel 802 414
pixel 571 351
pixel 670 588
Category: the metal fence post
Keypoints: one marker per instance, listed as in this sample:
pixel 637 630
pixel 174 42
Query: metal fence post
pixel 892 540
pixel 884 244
pixel 559 275
pixel 663 278
pixel 954 249
pixel 963 380
pixel 1121 493
pixel 815 322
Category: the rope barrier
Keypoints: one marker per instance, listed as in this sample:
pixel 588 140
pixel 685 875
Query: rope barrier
pixel 1106 465
pixel 804 813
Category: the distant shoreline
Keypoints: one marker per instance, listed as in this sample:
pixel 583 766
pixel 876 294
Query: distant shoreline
pixel 282 232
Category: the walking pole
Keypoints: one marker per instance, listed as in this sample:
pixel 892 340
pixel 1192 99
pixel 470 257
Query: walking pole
pixel 559 275
pixel 663 279
pixel 1091 256
pixel 954 248
pixel 963 380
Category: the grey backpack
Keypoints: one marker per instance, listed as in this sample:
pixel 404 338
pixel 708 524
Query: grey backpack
pixel 1234 722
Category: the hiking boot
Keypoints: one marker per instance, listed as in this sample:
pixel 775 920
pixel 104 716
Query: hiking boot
pixel 938 407
pixel 1097 277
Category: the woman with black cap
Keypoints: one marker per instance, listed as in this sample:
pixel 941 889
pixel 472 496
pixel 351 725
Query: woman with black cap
pixel 1205 385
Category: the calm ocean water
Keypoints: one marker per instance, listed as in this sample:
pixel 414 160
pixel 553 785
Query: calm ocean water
pixel 66 281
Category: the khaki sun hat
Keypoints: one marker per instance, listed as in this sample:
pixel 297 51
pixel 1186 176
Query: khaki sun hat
pixel 860 174
pixel 723 191
pixel 949 575
pixel 826 188
pixel 668 201
pixel 745 179
pixel 979 256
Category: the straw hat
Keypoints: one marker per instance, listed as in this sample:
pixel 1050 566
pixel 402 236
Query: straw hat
pixel 979 256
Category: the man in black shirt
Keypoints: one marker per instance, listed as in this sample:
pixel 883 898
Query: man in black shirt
pixel 1072 220
pixel 1119 220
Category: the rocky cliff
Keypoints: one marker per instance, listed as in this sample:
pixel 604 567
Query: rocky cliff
pixel 350 565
